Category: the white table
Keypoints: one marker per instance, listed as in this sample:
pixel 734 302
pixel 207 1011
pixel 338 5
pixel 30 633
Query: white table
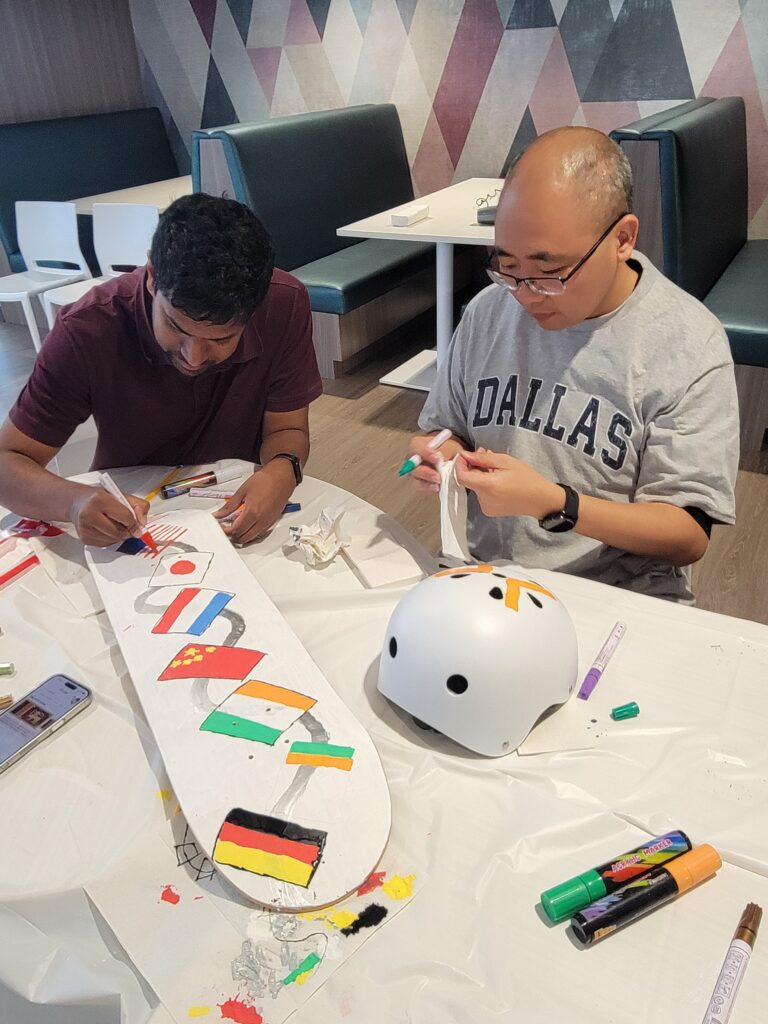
pixel 452 221
pixel 484 837
pixel 155 193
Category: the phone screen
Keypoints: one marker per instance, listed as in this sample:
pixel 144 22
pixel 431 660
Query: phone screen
pixel 41 708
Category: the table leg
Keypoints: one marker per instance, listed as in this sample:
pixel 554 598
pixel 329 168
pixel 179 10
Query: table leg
pixel 419 372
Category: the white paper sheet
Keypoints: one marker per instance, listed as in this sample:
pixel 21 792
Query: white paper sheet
pixel 453 514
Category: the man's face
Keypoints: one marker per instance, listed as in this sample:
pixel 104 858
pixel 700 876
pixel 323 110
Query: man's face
pixel 194 346
pixel 542 231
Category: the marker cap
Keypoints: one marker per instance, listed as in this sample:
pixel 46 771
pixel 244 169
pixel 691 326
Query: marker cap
pixel 569 897
pixel 693 867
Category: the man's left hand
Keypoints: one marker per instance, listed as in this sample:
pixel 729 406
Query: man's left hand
pixel 506 486
pixel 259 502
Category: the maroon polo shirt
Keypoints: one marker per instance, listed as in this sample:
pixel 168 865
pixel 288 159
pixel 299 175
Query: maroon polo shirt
pixel 101 359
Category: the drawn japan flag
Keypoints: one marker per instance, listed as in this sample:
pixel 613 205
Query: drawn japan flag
pixel 187 567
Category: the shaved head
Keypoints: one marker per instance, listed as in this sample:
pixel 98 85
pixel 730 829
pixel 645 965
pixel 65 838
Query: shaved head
pixel 579 164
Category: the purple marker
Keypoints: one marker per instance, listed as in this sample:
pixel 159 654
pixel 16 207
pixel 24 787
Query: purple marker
pixel 592 678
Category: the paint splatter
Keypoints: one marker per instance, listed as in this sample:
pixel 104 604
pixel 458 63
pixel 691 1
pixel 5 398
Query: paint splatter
pixel 331 918
pixel 169 895
pixel 369 918
pixel 373 881
pixel 198 1011
pixel 302 972
pixel 399 887
pixel 234 1010
pixel 164 794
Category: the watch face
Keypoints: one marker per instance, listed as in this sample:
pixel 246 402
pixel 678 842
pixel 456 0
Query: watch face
pixel 557 522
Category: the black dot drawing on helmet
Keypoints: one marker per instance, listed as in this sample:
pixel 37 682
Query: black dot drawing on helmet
pixel 536 601
pixel 496 592
pixel 393 647
pixel 457 684
pixel 458 576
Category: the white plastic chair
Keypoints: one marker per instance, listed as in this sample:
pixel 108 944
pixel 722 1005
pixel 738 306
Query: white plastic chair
pixel 47 232
pixel 122 235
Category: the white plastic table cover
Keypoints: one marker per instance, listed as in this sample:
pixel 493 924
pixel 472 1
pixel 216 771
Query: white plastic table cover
pixel 485 836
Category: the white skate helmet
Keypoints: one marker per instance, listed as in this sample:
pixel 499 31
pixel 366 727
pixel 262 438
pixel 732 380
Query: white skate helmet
pixel 479 653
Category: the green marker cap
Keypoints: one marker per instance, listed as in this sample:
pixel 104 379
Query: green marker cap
pixel 569 897
pixel 630 710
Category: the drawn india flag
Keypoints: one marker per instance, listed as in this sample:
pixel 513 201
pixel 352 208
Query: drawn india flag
pixel 192 611
pixel 269 846
pixel 258 711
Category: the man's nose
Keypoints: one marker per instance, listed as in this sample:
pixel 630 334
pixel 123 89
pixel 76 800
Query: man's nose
pixel 528 298
pixel 194 352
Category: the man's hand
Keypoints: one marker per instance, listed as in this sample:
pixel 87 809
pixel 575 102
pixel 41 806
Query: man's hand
pixel 506 486
pixel 426 476
pixel 102 520
pixel 259 502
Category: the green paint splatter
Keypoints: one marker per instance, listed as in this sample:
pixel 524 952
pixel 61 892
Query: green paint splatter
pixel 306 965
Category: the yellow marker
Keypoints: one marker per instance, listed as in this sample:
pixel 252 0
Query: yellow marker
pixel 399 887
pixel 198 1011
pixel 156 490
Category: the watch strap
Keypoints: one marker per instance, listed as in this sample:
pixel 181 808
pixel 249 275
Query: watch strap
pixel 294 460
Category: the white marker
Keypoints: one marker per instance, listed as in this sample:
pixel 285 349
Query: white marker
pixel 736 960
pixel 416 460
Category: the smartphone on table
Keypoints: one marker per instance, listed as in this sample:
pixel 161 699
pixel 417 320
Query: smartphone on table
pixel 38 715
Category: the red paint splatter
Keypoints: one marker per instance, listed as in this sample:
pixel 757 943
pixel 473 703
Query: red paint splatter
pixel 183 567
pixel 199 897
pixel 373 881
pixel 169 895
pixel 234 1010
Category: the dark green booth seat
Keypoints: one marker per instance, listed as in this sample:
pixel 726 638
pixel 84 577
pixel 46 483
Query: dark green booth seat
pixel 691 196
pixel 307 175
pixel 70 157
pixel 360 273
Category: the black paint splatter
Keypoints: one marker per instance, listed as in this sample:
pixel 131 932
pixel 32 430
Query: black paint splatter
pixel 369 918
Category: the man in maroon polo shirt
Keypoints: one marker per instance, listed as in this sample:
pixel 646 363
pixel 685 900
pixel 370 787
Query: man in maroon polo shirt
pixel 204 354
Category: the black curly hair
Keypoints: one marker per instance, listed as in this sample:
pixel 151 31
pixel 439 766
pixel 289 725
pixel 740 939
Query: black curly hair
pixel 212 259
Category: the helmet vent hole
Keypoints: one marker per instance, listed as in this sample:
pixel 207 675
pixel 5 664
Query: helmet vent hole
pixel 536 601
pixel 392 647
pixel 458 576
pixel 457 684
pixel 496 592
pixel 499 575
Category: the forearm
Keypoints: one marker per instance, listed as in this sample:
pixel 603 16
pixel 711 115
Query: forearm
pixel 28 489
pixel 292 440
pixel 654 529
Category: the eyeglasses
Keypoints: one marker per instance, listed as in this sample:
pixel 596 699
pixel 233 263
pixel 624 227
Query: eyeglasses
pixel 543 285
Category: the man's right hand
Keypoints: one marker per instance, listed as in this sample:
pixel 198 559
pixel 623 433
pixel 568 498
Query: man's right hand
pixel 102 520
pixel 426 476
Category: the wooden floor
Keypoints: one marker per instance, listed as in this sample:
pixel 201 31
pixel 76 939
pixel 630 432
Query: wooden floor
pixel 359 433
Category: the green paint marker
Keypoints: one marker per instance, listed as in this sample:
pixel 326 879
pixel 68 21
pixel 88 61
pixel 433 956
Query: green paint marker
pixel 569 897
pixel 630 710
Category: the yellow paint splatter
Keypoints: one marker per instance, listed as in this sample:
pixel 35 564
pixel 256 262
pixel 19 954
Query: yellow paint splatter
pixel 399 887
pixel 164 794
pixel 330 918
pixel 342 918
pixel 303 977
pixel 198 1011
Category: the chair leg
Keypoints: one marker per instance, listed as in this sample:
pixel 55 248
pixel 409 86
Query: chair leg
pixel 29 315
pixel 49 308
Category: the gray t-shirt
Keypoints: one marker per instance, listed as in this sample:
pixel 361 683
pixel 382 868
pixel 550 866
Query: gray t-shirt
pixel 637 405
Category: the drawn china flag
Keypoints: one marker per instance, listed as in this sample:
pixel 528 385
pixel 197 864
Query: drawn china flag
pixel 187 567
pixel 258 711
pixel 209 662
pixel 192 611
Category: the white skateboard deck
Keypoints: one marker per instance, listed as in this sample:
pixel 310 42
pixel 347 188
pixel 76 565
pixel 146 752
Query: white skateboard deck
pixel 281 785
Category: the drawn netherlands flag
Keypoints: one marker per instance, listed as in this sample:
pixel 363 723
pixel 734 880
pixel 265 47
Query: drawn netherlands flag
pixel 192 611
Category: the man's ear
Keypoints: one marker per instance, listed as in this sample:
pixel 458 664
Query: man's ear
pixel 628 236
pixel 151 279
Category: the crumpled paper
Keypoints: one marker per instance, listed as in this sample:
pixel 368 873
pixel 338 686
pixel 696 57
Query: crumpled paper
pixel 321 541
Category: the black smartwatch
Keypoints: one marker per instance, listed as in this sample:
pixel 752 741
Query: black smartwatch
pixel 294 460
pixel 560 522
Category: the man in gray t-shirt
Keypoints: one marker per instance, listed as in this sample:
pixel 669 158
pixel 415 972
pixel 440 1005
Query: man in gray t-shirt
pixel 593 400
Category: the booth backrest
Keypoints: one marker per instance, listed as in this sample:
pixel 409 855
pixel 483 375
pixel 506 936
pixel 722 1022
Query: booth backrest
pixel 702 169
pixel 306 175
pixel 70 157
